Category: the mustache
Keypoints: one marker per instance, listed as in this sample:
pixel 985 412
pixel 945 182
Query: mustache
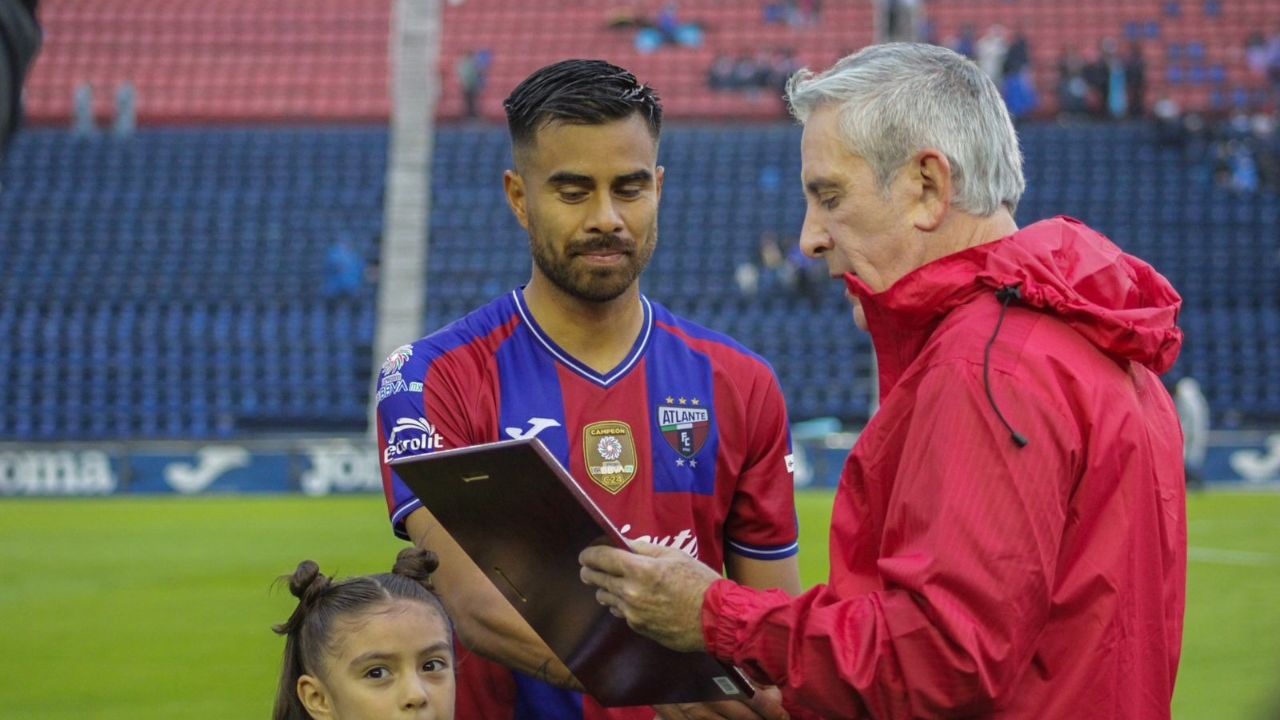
pixel 603 244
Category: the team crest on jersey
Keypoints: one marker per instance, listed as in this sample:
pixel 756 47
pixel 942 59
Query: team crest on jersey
pixel 397 359
pixel 611 454
pixel 685 424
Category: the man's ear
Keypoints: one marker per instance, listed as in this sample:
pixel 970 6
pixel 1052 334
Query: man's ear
pixel 659 175
pixel 513 184
pixel 315 697
pixel 930 174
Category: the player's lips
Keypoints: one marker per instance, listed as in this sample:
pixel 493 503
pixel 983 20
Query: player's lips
pixel 604 258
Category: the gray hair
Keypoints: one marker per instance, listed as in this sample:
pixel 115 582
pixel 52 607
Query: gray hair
pixel 899 98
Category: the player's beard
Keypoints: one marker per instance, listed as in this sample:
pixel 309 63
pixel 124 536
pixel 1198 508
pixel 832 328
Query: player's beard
pixel 593 284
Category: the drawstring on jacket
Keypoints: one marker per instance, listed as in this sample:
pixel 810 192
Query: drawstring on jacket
pixel 1005 295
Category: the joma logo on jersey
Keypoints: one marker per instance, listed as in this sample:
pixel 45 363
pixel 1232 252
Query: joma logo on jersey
pixel 685 428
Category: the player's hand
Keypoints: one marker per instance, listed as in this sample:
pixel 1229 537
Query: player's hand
pixel 766 705
pixel 657 590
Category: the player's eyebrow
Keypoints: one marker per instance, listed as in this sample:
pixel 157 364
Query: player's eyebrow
pixel 637 177
pixel 565 177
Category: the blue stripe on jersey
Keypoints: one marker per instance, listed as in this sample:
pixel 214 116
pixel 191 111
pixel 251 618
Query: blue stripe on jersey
pixel 536 700
pixel 532 404
pixel 678 376
pixel 693 330
pixel 756 552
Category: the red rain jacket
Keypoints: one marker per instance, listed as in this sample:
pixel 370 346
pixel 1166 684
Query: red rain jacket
pixel 971 577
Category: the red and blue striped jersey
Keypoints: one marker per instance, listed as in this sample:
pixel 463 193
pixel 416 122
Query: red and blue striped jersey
pixel 685 443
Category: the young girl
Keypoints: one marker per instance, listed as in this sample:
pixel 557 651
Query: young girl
pixel 367 648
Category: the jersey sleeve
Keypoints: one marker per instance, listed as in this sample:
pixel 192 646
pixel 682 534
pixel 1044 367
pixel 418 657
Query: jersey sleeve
pixel 762 522
pixel 417 414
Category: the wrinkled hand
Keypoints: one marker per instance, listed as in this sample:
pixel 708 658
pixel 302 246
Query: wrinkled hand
pixel 657 590
pixel 766 705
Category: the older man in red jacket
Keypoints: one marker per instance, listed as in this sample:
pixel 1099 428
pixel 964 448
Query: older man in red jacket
pixel 1009 536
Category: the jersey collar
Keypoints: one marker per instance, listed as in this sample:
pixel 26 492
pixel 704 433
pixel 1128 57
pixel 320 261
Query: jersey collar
pixel 578 367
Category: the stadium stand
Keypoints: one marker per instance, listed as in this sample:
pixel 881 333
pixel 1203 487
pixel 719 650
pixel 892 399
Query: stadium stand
pixel 1194 49
pixel 216 61
pixel 172 284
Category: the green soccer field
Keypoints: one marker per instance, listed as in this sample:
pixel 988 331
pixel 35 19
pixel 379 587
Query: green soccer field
pixel 133 609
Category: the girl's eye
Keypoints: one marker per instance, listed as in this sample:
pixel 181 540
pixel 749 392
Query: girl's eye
pixel 376 673
pixel 434 665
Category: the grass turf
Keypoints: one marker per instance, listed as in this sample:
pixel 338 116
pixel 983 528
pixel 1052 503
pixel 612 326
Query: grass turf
pixel 145 608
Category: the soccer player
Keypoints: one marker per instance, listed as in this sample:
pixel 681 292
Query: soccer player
pixel 678 433
pixel 1009 536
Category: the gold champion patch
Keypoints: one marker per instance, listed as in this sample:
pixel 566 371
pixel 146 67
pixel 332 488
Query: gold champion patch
pixel 611 454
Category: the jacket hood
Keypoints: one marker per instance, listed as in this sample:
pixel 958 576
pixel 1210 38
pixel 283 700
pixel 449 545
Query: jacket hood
pixel 1115 301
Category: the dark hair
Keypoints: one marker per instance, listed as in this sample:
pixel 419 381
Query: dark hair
pixel 579 92
pixel 321 602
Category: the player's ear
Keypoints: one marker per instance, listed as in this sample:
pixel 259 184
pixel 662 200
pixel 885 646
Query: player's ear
pixel 315 697
pixel 659 174
pixel 513 184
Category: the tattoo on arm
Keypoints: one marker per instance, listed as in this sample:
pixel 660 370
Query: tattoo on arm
pixel 546 674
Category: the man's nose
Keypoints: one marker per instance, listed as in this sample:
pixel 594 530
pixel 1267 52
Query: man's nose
pixel 605 218
pixel 814 240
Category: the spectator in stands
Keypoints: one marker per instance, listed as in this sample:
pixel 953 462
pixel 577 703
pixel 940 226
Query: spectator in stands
pixel 1009 535
pixel 1112 73
pixel 579 355
pixel 720 76
pixel 1135 80
pixel 668 23
pixel 1018 86
pixel 745 73
pixel 1019 55
pixel 83 123
pixel 902 20
pixel 1020 95
pixel 966 42
pixel 1170 128
pixel 992 48
pixel 1255 55
pixel 126 110
pixel 376 646
pixel 19 42
pixel 473 75
pixel 1193 414
pixel 344 271
pixel 1073 88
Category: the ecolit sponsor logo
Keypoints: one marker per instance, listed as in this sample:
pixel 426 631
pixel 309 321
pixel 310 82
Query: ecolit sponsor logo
pixel 420 436
pixel 684 541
